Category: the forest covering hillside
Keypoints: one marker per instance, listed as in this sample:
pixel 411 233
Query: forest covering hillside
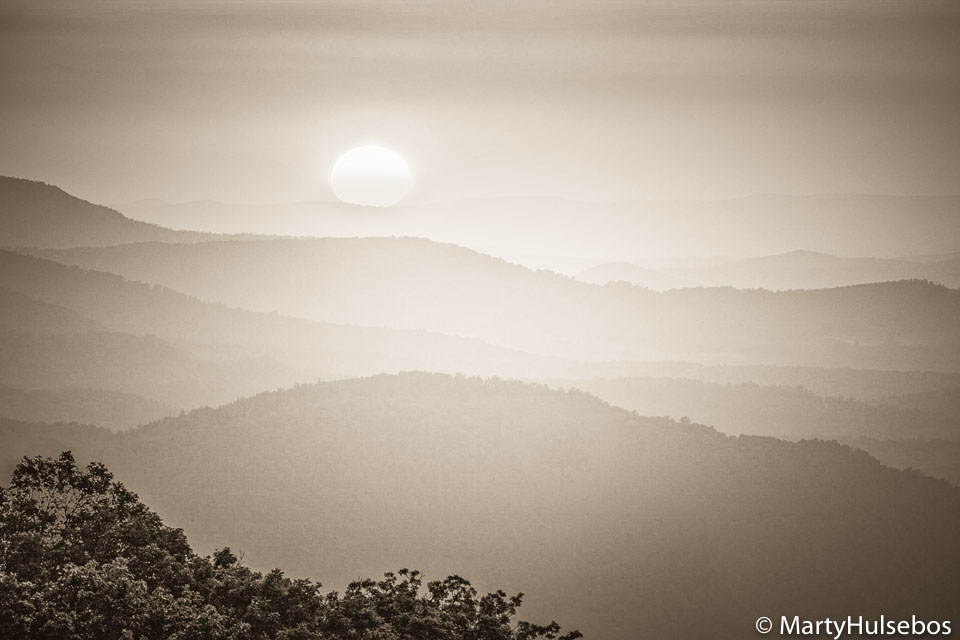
pixel 814 270
pixel 780 411
pixel 83 558
pixel 561 231
pixel 862 384
pixel 415 283
pixel 114 410
pixel 142 365
pixel 673 527
pixel 34 214
pixel 919 431
pixel 793 270
pixel 175 341
pixel 648 310
pixel 619 521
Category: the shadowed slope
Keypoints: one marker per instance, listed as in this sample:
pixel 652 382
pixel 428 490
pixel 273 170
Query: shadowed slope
pixel 415 283
pixel 34 214
pixel 114 410
pixel 216 333
pixel 813 270
pixel 621 522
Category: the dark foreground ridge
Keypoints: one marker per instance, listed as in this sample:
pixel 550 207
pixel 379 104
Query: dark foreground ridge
pixel 623 525
pixel 81 557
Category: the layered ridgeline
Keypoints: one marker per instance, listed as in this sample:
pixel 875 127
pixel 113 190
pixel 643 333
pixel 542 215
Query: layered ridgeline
pixel 906 419
pixel 629 526
pixel 793 270
pixel 84 559
pixel 920 430
pixel 782 411
pixel 69 327
pixel 114 410
pixel 870 385
pixel 554 232
pixel 813 270
pixel 416 283
pixel 34 214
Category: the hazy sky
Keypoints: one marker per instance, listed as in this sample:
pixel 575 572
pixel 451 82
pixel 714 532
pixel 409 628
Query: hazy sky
pixel 253 101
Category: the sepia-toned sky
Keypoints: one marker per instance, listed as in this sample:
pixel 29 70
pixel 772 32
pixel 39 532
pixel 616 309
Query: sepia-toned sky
pixel 253 101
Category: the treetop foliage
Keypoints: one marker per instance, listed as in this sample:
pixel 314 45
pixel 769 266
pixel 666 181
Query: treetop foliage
pixel 81 557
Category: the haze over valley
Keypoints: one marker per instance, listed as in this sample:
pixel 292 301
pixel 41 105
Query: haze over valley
pixel 648 311
pixel 101 339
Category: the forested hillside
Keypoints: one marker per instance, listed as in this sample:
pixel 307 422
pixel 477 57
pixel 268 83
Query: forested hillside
pixel 72 327
pixel 862 384
pixel 141 365
pixel 547 229
pixel 415 283
pixel 114 410
pixel 619 521
pixel 82 557
pixel 814 270
pixel 34 214
pixel 781 411
pixel 649 310
pixel 674 527
pixel 920 431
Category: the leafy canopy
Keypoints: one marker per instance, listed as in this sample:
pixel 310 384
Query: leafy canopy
pixel 82 558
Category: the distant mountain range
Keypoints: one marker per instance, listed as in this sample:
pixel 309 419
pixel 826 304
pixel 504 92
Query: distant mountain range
pixel 416 283
pixel 34 214
pixel 773 410
pixel 918 431
pixel 657 280
pixel 618 521
pixel 70 336
pixel 114 410
pixel 70 327
pixel 570 236
pixel 793 270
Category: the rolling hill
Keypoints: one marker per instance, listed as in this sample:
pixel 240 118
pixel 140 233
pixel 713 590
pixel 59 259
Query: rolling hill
pixel 936 458
pixel 146 366
pixel 35 214
pixel 416 283
pixel 620 522
pixel 20 438
pixel 944 402
pixel 813 270
pixel 113 410
pixel 570 236
pixel 899 434
pixel 793 270
pixel 871 385
pixel 658 280
pixel 784 412
pixel 20 312
pixel 152 335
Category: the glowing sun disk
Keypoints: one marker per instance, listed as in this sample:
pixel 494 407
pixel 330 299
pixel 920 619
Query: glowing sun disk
pixel 371 176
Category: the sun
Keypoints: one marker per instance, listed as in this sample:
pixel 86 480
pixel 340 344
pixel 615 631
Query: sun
pixel 371 176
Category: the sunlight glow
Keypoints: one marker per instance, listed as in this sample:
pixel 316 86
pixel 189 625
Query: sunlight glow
pixel 372 176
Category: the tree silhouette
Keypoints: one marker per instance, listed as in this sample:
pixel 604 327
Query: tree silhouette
pixel 82 557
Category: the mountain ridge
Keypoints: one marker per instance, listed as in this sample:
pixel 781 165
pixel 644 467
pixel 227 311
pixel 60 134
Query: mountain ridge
pixel 793 270
pixel 589 233
pixel 415 283
pixel 38 214
pixel 214 332
pixel 676 529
